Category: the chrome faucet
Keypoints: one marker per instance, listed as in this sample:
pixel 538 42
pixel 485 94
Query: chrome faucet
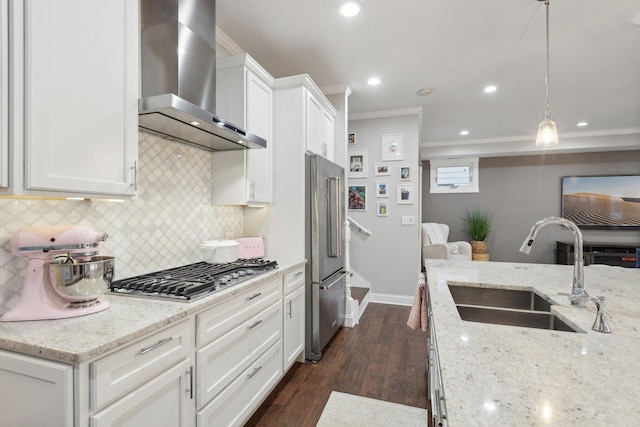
pixel 578 296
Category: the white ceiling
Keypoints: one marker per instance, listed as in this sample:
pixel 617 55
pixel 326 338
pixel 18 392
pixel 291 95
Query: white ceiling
pixel 457 47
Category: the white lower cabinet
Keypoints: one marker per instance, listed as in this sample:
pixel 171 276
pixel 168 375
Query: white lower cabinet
pixel 35 392
pixel 293 324
pixel 213 368
pixel 163 401
pixel 235 404
pixel 223 360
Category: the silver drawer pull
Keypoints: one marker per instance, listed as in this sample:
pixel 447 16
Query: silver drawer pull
pixel 255 371
pixel 254 296
pixel 299 273
pixel 156 345
pixel 256 323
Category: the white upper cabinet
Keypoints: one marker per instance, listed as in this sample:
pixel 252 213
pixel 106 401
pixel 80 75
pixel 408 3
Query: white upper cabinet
pixel 4 93
pixel 77 114
pixel 319 128
pixel 245 98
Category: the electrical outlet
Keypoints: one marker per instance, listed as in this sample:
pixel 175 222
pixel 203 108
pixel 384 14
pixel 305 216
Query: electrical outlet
pixel 409 220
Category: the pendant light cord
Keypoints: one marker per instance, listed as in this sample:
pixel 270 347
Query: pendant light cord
pixel 546 108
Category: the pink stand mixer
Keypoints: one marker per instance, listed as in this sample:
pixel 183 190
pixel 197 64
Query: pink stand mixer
pixel 64 277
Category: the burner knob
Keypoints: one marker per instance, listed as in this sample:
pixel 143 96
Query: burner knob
pixel 250 271
pixel 242 273
pixel 234 275
pixel 224 280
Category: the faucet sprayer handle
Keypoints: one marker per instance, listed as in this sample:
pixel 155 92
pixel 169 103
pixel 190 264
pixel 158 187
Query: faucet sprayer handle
pixel 601 324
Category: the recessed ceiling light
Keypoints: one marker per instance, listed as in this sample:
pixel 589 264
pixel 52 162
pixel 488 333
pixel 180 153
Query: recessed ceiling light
pixel 490 89
pixel 582 124
pixel 464 132
pixel 350 9
pixel 373 81
pixel 194 123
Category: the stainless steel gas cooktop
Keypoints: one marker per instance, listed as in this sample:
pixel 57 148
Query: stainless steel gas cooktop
pixel 193 281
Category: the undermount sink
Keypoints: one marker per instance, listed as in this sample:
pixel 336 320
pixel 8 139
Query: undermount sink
pixel 525 318
pixel 494 297
pixel 506 307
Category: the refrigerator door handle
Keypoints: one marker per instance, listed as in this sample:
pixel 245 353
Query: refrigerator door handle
pixel 335 218
pixel 327 287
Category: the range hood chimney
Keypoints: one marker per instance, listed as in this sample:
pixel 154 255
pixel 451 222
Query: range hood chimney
pixel 178 65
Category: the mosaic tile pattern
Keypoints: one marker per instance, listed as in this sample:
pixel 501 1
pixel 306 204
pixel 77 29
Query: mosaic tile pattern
pixel 163 227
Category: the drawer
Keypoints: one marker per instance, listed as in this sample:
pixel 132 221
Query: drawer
pixel 131 367
pixel 220 362
pixel 242 397
pixel 222 318
pixel 293 280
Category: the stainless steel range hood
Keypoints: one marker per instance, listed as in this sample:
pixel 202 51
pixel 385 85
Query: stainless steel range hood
pixel 178 64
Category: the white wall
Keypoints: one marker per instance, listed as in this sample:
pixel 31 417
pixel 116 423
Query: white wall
pixel 390 258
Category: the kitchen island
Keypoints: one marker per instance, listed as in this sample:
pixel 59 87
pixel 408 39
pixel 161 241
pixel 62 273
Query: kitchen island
pixel 511 375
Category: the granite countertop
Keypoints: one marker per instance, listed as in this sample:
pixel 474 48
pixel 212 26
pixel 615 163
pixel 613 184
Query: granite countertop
pixel 509 375
pixel 79 339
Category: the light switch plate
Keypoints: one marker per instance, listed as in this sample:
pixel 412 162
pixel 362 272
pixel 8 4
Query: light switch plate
pixel 408 220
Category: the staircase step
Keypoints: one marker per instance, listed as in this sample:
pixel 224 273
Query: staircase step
pixel 358 293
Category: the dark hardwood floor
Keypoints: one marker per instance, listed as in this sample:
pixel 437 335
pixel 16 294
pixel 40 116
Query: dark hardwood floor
pixel 380 358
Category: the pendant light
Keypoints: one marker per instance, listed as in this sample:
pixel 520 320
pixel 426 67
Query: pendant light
pixel 547 133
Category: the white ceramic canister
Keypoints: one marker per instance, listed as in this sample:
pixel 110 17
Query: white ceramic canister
pixel 219 251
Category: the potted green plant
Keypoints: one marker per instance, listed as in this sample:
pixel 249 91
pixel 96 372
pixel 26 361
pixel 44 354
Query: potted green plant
pixel 478 225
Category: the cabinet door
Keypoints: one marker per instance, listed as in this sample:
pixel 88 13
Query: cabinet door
pixel 167 400
pixel 35 392
pixel 81 77
pixel 314 131
pixel 293 327
pixel 4 93
pixel 259 118
pixel 327 135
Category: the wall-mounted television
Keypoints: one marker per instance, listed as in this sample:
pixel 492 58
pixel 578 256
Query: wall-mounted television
pixel 611 201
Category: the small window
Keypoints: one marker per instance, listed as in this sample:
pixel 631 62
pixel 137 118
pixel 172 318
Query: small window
pixel 454 175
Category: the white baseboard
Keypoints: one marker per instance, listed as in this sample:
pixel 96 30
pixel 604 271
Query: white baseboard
pixel 391 299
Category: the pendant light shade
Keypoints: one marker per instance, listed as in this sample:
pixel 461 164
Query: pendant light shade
pixel 547 133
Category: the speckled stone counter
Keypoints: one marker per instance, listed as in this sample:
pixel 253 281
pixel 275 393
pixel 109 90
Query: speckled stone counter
pixel 515 376
pixel 82 338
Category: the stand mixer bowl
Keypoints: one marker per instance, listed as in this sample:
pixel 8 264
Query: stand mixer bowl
pixel 81 283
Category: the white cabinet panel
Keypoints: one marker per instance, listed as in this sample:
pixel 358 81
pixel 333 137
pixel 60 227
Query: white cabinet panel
pixel 80 97
pixel 164 401
pixel 223 360
pixel 130 367
pixel 245 98
pixel 293 326
pixel 35 392
pixel 242 397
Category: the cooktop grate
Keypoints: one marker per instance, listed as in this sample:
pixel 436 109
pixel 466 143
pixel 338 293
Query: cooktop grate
pixel 193 281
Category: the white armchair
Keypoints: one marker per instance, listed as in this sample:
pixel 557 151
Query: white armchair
pixel 435 244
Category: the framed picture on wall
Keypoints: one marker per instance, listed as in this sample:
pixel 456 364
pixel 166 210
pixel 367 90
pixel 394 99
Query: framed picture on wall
pixel 382 188
pixel 392 147
pixel 382 169
pixel 382 209
pixel 405 173
pixel 352 138
pixel 405 194
pixel 357 197
pixel 357 164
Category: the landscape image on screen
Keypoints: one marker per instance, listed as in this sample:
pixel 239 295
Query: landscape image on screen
pixel 602 201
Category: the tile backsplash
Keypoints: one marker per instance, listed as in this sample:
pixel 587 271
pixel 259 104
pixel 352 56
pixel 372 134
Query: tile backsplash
pixel 163 227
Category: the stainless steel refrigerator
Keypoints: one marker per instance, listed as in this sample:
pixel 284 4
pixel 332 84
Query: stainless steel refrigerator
pixel 324 241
